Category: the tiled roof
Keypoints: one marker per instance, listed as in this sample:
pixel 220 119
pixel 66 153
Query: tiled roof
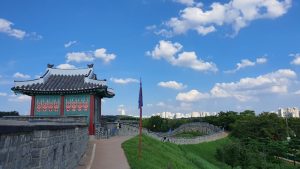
pixel 64 81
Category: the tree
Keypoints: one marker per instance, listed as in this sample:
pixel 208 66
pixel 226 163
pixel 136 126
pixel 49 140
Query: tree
pixel 11 113
pixel 294 149
pixel 232 156
pixel 248 113
pixel 155 123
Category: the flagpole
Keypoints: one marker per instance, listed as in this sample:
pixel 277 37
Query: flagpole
pixel 140 136
pixel 140 126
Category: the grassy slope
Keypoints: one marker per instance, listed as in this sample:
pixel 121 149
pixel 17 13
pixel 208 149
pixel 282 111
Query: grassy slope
pixel 159 155
pixel 207 152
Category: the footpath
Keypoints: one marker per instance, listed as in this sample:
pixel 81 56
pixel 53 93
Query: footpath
pixel 105 154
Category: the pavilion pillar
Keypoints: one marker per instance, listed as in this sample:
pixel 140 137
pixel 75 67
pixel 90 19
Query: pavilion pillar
pixel 100 108
pixel 62 105
pixel 32 106
pixel 92 113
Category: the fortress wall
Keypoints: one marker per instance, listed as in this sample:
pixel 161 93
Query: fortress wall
pixel 41 145
pixel 213 134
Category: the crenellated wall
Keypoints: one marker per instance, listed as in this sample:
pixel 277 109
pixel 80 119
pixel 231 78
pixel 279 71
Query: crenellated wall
pixel 42 144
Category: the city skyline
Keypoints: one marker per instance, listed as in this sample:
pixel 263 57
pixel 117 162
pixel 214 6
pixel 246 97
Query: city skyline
pixel 190 57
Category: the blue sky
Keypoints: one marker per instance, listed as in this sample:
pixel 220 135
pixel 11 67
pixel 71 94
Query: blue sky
pixel 191 55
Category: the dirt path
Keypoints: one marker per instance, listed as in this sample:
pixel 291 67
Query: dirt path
pixel 106 154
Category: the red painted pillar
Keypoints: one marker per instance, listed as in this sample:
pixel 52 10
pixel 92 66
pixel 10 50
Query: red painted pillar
pixel 62 105
pixel 92 112
pixel 100 109
pixel 32 105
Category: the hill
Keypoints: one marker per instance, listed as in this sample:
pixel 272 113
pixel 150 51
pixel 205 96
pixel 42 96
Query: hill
pixel 162 155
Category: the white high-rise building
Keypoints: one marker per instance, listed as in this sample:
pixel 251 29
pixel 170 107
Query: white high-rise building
pixel 166 115
pixel 195 114
pixel 188 115
pixel 178 115
pixel 288 112
pixel 123 112
pixel 281 112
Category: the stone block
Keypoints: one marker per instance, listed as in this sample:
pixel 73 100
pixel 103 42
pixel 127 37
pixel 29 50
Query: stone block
pixel 35 163
pixel 45 133
pixel 45 152
pixel 3 158
pixel 2 142
pixel 37 134
pixel 7 142
pixel 35 153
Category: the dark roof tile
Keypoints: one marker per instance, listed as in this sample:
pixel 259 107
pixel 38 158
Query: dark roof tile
pixel 63 81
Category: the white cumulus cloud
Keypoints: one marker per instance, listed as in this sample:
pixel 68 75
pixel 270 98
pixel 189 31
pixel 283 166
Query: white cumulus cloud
pixel 20 98
pixel 161 104
pixel 296 60
pixel 261 60
pixel 102 54
pixel 235 13
pixel 249 88
pixel 170 52
pixel 185 2
pixel 247 63
pixel 189 59
pixel 70 43
pixel 172 85
pixel 246 88
pixel 3 94
pixel 21 75
pixel 297 92
pixel 79 57
pixel 124 81
pixel 6 27
pixel 66 66
pixel 191 96
pixel 89 56
pixel 165 50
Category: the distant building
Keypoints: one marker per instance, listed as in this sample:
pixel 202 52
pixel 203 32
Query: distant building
pixel 195 114
pixel 123 112
pixel 179 115
pixel 188 115
pixel 288 112
pixel 167 115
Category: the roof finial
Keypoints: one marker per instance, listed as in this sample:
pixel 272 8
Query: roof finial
pixel 50 65
pixel 90 65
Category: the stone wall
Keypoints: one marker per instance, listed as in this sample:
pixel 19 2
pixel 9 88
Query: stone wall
pixel 213 134
pixel 41 145
pixel 64 119
pixel 201 127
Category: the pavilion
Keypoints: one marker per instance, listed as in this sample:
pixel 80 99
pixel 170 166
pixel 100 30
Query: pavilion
pixel 66 92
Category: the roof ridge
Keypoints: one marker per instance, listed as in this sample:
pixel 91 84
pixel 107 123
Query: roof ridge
pixel 27 80
pixel 70 69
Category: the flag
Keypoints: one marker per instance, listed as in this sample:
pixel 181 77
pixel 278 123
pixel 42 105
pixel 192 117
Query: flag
pixel 140 96
pixel 141 123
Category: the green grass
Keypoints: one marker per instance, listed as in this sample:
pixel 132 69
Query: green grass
pixel 189 134
pixel 163 155
pixel 207 151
